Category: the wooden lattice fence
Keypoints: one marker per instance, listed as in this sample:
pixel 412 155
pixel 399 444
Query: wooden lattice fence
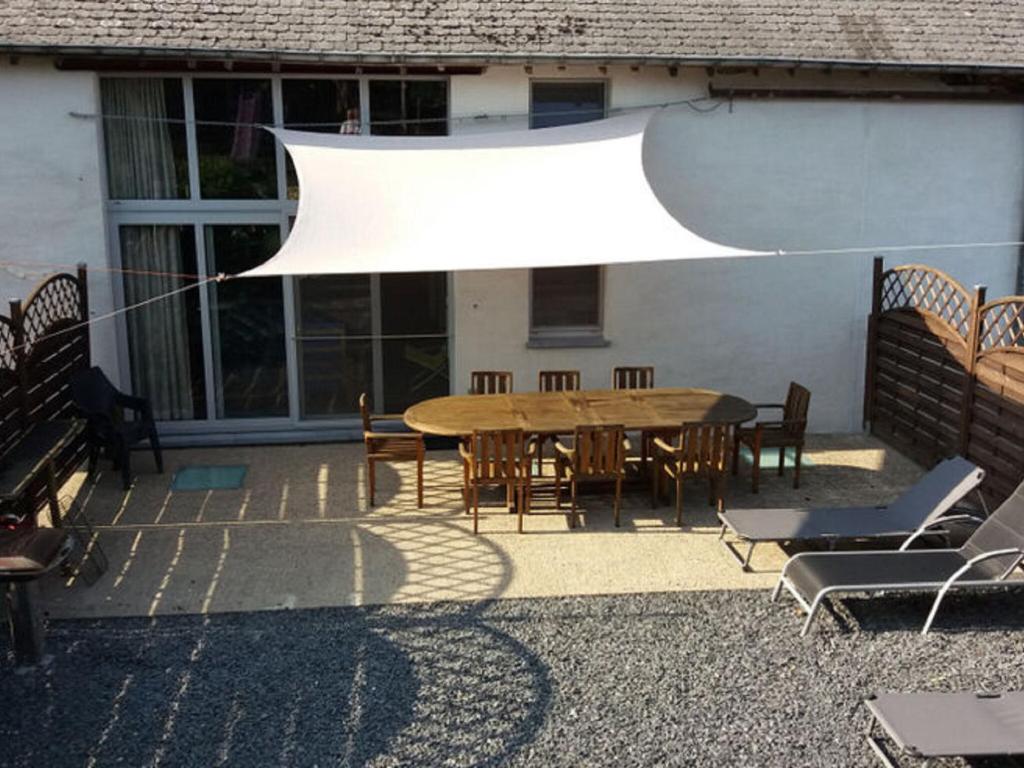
pixel 945 372
pixel 42 344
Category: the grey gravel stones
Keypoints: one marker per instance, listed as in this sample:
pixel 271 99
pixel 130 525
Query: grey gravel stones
pixel 716 678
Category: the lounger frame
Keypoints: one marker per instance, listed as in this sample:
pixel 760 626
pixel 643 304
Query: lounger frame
pixel 812 606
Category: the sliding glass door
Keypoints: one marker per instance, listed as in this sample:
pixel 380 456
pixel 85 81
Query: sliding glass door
pixel 386 335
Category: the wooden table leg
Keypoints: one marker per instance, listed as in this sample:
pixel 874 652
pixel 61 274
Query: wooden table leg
pixel 51 495
pixel 26 625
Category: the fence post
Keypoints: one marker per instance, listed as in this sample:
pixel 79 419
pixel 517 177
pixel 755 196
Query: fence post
pixel 20 369
pixel 83 306
pixel 973 342
pixel 869 364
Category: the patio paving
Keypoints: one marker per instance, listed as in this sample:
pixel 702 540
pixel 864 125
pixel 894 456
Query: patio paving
pixel 300 534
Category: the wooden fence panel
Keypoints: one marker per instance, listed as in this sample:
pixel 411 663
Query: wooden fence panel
pixel 42 345
pixel 945 373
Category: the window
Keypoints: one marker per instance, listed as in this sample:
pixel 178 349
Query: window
pixel 565 302
pixel 144 126
pixel 409 107
pixel 165 341
pixel 236 156
pixel 197 187
pixel 327 106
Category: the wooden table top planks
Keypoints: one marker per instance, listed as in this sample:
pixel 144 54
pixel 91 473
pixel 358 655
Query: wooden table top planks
pixel 560 412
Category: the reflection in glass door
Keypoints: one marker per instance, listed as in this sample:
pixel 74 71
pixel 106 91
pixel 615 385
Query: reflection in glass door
pixel 386 335
pixel 247 323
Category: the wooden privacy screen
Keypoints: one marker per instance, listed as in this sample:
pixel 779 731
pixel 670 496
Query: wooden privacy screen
pixel 945 373
pixel 41 347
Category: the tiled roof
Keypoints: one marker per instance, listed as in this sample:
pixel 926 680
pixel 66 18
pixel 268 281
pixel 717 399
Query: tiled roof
pixel 935 32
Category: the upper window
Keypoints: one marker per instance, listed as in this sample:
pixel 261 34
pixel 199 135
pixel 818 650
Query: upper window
pixel 324 106
pixel 236 156
pixel 565 302
pixel 144 126
pixel 562 102
pixel 409 107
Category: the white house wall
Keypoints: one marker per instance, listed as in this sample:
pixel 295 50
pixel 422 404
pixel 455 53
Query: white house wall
pixel 51 193
pixel 792 175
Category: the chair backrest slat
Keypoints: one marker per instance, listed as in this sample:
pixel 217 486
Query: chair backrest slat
pixel 633 377
pixel 798 401
pixel 364 412
pixel 558 381
pixel 490 382
pixel 599 450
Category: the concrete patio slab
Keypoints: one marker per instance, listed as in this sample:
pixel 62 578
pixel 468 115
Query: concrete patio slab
pixel 300 534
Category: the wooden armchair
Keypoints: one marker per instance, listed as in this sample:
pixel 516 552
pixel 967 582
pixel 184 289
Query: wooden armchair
pixel 783 434
pixel 633 377
pixel 499 457
pixel 597 453
pixel 702 450
pixel 553 381
pixel 389 446
pixel 490 382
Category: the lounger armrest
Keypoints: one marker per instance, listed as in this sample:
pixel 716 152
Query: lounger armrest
pixel 989 556
pixel 464 452
pixel 626 445
pixel 564 450
pixel 531 446
pixel 961 518
pixel 666 447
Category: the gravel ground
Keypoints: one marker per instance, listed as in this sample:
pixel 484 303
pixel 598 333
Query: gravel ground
pixel 718 678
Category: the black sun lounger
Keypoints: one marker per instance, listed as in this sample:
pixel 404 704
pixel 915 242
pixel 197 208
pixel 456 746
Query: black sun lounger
pixel 936 725
pixel 986 559
pixel 921 506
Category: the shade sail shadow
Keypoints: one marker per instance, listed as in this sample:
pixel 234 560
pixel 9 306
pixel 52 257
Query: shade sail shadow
pixel 326 687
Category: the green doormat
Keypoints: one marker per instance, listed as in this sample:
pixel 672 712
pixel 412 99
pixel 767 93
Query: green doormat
pixel 770 457
pixel 209 478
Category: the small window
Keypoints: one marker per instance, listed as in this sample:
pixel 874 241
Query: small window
pixel 565 302
pixel 408 107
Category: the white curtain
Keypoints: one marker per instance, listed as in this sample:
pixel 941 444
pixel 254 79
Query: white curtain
pixel 140 165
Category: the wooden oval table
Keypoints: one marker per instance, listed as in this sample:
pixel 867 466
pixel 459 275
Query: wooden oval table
pixel 552 413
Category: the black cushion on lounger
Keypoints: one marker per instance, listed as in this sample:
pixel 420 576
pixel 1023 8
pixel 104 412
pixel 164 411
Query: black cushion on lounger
pixel 952 724
pixel 932 496
pixel 29 554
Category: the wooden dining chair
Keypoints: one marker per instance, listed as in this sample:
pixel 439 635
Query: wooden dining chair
pixel 701 450
pixel 499 457
pixel 389 447
pixel 597 453
pixel 553 381
pixel 633 377
pixel 558 381
pixel 490 382
pixel 786 433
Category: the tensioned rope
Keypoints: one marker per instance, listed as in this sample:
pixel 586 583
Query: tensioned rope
pixel 702 104
pixel 122 310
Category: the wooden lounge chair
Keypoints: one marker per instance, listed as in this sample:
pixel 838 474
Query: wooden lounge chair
pixel 922 504
pixel 987 559
pixel 499 457
pixel 633 377
pixel 389 447
pixel 701 450
pixel 597 453
pixel 785 433
pixel 490 382
pixel 938 725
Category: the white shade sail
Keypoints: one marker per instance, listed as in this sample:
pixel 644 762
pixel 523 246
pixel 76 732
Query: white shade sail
pixel 564 196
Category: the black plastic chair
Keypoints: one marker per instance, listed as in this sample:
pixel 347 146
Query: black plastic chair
pixel 103 406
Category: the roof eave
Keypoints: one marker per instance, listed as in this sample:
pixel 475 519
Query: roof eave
pixel 478 58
